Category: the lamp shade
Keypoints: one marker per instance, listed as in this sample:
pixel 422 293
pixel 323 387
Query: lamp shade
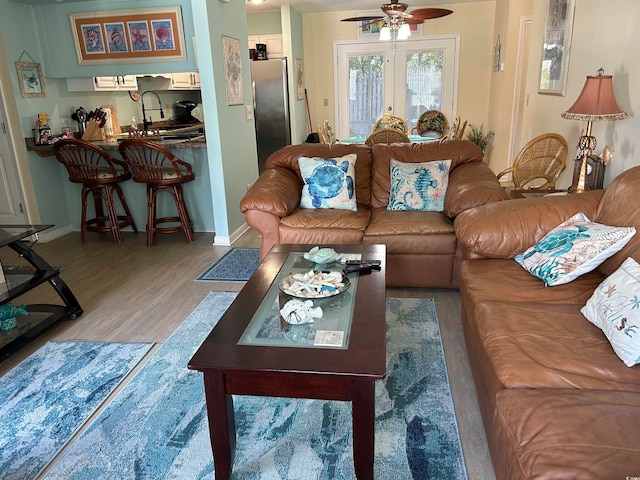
pixel 597 101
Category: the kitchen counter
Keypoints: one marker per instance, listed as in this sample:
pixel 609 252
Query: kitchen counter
pixel 198 194
pixel 47 150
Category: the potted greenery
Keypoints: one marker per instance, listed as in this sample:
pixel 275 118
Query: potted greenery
pixel 476 135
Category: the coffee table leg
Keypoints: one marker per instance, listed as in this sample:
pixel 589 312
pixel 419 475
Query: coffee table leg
pixel 363 412
pixel 222 425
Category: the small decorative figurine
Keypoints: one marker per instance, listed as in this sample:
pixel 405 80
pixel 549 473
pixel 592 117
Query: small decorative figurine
pixel 322 255
pixel 297 312
pixel 8 313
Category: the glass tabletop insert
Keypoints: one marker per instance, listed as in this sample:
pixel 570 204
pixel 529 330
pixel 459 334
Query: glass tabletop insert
pixel 268 328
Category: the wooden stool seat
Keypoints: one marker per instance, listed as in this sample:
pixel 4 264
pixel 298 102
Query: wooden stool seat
pixel 100 174
pixel 161 171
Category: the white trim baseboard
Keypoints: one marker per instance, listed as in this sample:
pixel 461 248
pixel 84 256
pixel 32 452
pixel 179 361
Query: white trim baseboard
pixel 228 241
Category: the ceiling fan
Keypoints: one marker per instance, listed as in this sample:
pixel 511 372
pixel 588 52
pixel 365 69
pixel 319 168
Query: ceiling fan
pixel 396 16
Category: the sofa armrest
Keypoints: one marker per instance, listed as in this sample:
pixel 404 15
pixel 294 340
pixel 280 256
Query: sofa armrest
pixel 277 191
pixel 504 229
pixel 470 185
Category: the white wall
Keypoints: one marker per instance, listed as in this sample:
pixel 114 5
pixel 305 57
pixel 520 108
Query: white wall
pixel 607 35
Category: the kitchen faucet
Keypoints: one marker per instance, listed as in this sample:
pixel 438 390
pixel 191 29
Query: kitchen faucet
pixel 146 122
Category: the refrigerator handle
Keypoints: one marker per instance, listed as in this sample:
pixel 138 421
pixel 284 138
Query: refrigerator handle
pixel 253 97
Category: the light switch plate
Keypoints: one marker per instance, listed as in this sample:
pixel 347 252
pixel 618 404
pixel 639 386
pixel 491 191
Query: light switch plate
pixel 249 112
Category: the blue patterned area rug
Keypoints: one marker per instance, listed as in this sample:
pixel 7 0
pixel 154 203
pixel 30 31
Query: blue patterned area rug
pixel 49 396
pixel 237 265
pixel 156 428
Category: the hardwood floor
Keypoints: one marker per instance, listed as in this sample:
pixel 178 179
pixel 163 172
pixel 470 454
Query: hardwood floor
pixel 130 292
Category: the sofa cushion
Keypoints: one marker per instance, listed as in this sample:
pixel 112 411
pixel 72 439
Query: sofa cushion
pixel 459 151
pixel 504 279
pixel 531 345
pixel 328 218
pixel 287 158
pixel 568 434
pixel 328 182
pixel 574 247
pixel 418 186
pixel 614 307
pixel 411 232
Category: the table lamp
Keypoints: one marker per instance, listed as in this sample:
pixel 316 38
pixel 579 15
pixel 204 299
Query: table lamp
pixel 596 103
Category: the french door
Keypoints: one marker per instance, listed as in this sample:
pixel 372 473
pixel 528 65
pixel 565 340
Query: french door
pixel 403 78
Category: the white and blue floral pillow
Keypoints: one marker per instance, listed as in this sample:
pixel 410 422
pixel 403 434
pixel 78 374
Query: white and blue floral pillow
pixel 573 248
pixel 614 307
pixel 328 182
pixel 418 186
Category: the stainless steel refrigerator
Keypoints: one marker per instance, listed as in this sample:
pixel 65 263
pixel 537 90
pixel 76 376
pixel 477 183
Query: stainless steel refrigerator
pixel 270 107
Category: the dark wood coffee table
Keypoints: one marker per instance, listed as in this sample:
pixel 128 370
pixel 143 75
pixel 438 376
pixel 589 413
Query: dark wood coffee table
pixel 347 373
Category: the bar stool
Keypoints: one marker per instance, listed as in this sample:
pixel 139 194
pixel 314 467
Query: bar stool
pixel 100 174
pixel 162 171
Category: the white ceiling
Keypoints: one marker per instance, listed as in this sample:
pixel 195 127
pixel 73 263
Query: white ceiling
pixel 308 6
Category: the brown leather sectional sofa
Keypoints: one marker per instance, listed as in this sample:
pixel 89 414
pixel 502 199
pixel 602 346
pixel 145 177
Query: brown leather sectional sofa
pixel 556 401
pixel 422 250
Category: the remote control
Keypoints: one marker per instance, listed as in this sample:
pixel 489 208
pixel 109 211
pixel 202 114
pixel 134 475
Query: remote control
pixel 362 267
pixel 362 262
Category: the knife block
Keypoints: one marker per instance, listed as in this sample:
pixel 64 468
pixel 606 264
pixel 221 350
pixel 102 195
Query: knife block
pixel 93 131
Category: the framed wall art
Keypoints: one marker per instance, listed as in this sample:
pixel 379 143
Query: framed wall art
pixel 556 47
pixel 30 79
pixel 233 70
pixel 299 80
pixel 129 36
pixel 496 56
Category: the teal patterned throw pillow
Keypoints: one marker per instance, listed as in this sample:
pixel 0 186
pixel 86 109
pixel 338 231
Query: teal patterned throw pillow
pixel 418 186
pixel 573 248
pixel 614 307
pixel 328 182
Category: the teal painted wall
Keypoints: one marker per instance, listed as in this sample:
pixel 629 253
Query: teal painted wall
pixel 59 53
pixel 224 168
pixel 264 23
pixel 232 152
pixel 293 49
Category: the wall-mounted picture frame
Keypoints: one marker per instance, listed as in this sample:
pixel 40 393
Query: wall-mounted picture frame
pixel 30 79
pixel 299 80
pixel 233 70
pixel 370 29
pixel 129 36
pixel 556 47
pixel 496 55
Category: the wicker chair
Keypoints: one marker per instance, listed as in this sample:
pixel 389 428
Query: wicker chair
pixel 161 171
pixel 395 122
pixel 542 158
pixel 431 121
pixel 387 135
pixel 100 174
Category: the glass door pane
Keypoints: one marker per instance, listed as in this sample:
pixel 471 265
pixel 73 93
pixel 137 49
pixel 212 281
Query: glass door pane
pixel 404 79
pixel 423 83
pixel 366 86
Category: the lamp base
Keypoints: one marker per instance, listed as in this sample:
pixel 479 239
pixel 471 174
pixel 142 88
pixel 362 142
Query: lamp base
pixel 581 185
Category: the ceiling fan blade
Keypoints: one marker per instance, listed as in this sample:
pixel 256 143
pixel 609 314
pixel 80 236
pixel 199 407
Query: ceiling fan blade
pixel 414 21
pixel 361 19
pixel 428 13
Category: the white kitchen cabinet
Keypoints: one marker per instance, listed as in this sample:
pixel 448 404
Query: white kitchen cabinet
pixel 185 81
pixel 272 41
pixel 102 84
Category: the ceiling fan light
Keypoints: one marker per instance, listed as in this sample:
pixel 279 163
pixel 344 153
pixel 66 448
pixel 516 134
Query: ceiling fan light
pixel 404 32
pixel 385 33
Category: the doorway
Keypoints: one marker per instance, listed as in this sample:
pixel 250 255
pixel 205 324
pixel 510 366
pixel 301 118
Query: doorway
pixel 403 78
pixel 11 206
pixel 520 133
